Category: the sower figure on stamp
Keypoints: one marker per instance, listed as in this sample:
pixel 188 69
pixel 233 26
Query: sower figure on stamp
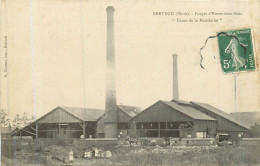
pixel 233 49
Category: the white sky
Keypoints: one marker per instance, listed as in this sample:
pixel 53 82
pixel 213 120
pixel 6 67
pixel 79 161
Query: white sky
pixel 144 48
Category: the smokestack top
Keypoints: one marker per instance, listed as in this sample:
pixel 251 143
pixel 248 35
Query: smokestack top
pixel 174 55
pixel 110 9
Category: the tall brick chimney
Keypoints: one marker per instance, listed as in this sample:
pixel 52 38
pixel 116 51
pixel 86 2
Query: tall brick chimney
pixel 110 106
pixel 175 78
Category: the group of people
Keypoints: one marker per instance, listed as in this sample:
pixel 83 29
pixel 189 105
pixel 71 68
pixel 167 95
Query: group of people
pixel 97 153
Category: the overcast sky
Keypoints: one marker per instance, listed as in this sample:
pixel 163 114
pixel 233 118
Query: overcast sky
pixel 60 50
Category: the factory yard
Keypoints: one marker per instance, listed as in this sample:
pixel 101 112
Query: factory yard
pixel 136 155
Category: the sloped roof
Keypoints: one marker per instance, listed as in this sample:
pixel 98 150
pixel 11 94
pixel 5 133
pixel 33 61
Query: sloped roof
pixel 181 102
pixel 130 110
pixel 188 110
pixel 86 114
pixel 222 114
pixel 247 117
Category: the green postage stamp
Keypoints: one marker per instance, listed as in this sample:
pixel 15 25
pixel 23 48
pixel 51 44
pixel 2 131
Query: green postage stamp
pixel 236 51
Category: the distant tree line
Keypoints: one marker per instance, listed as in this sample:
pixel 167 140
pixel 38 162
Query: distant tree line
pixel 18 121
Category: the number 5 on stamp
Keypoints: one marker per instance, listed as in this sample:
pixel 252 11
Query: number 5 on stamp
pixel 236 51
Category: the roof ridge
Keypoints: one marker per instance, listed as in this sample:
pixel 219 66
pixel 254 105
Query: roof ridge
pixel 81 107
pixel 231 118
pixel 128 106
pixel 182 111
pixel 129 110
pixel 70 112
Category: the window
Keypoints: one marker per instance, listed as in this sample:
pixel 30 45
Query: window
pixel 162 125
pixel 172 125
pixel 123 125
pixel 147 125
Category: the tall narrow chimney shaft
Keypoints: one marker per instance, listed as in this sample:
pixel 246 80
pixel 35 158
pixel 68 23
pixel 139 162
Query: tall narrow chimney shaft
pixel 110 106
pixel 175 78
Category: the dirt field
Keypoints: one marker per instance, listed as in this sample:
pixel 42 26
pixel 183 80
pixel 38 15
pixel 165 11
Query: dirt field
pixel 137 155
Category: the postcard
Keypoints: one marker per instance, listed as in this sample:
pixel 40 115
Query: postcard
pixel 158 82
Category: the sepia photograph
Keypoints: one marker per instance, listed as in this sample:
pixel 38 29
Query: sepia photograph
pixel 129 83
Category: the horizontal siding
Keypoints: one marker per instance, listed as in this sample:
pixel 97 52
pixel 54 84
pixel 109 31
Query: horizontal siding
pixel 59 116
pixel 122 117
pixel 203 125
pixel 223 123
pixel 160 112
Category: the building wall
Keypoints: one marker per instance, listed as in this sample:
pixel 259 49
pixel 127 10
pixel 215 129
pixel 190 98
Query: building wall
pixel 58 115
pixel 100 127
pixel 132 131
pixel 256 131
pixel 223 123
pixel 90 129
pixel 122 117
pixel 71 130
pixel 226 126
pixel 160 112
pixel 205 126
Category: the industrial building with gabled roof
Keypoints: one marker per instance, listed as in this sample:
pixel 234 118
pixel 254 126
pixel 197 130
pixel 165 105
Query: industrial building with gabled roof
pixel 124 114
pixel 73 122
pixel 63 122
pixel 226 123
pixel 172 119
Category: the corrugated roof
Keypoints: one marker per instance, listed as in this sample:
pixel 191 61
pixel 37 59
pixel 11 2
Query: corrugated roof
pixel 222 114
pixel 86 114
pixel 130 110
pixel 188 110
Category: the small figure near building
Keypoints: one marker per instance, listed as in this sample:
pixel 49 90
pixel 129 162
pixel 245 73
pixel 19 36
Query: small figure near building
pixel 71 156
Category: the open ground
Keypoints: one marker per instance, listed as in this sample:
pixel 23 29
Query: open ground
pixel 31 154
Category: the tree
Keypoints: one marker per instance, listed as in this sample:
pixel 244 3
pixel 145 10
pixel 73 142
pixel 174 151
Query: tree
pixel 33 118
pixel 17 122
pixel 4 120
pixel 25 120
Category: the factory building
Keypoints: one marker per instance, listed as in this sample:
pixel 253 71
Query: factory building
pixel 72 122
pixel 64 122
pixel 124 114
pixel 172 119
pixel 178 118
pixel 226 123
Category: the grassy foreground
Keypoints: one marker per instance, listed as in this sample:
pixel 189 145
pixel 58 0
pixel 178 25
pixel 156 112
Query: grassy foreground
pixel 138 156
pixel 197 156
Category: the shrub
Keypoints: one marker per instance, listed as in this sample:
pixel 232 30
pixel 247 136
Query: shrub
pixel 38 145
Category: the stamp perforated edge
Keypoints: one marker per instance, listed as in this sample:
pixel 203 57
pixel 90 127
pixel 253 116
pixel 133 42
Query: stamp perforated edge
pixel 254 51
